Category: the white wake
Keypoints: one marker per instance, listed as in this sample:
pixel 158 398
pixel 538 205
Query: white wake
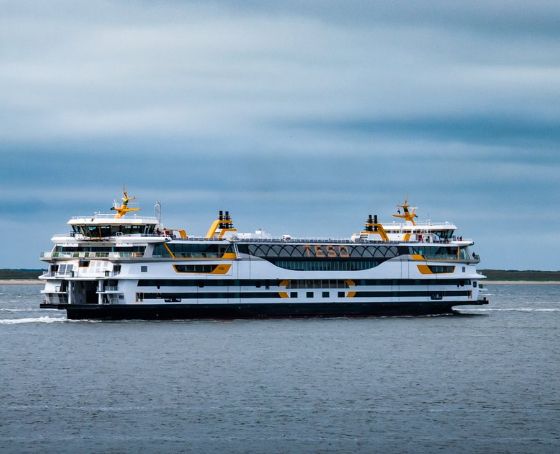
pixel 515 309
pixel 17 321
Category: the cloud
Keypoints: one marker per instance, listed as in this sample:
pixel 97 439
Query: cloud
pixel 297 116
pixel 211 69
pixel 491 130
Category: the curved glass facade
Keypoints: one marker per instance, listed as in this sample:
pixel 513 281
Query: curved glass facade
pixel 326 265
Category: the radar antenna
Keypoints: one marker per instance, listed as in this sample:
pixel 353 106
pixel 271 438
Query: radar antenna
pixel 157 211
pixel 408 212
pixel 123 208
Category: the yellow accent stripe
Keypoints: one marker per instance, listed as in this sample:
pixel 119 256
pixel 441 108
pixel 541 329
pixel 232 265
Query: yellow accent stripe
pixel 283 294
pixel 229 255
pixel 351 294
pixel 212 230
pixel 424 269
pixel 417 257
pixel 168 250
pixel 221 269
pixel 284 283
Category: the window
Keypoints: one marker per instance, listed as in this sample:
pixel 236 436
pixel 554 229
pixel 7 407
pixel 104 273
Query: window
pixel 436 252
pixel 193 250
pixel 475 284
pixel 317 283
pixel 195 268
pixel 464 269
pixel 437 269
pixel 309 294
pixel 65 269
pixel 341 294
pixel 326 294
pixel 293 294
pixel 98 251
pixel 143 269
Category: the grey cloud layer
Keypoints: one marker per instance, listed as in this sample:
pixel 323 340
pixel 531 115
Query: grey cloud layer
pixel 199 69
pixel 321 109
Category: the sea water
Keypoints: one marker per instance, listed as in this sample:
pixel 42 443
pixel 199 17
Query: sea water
pixel 485 381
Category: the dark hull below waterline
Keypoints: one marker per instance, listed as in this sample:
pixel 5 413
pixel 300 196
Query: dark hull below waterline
pixel 248 311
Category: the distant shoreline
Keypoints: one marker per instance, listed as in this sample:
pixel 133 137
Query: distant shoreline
pixel 21 282
pixel 486 282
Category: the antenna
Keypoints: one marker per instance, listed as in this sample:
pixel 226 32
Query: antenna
pixel 157 211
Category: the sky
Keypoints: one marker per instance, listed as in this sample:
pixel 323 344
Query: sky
pixel 299 117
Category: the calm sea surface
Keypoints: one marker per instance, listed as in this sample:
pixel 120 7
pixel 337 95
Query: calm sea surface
pixel 486 382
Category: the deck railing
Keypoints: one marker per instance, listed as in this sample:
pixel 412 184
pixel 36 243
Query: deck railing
pixel 89 254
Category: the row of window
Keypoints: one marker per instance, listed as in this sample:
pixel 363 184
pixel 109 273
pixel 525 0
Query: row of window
pixel 103 231
pixel 99 248
pixel 195 268
pixel 412 294
pixel 327 265
pixel 317 283
pixel 191 250
pixel 295 283
pixel 441 269
pixel 218 295
pixel 177 297
pixel 442 252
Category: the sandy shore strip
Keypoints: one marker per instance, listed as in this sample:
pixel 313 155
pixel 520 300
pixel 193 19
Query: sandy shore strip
pixel 485 282
pixel 21 282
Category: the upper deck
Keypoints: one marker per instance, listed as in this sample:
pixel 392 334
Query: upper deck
pixel 108 230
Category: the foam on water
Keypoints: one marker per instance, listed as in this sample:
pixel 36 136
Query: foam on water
pixel 17 321
pixel 28 309
pixel 515 309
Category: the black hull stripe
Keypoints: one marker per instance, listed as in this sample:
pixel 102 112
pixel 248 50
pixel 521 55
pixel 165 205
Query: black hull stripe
pixel 249 295
pixel 233 311
pixel 276 282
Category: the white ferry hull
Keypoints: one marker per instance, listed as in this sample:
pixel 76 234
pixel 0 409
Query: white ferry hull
pixel 112 268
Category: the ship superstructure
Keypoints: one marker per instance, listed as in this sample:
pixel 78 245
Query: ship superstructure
pixel 130 266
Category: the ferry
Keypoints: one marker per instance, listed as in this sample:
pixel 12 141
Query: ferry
pixel 126 266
